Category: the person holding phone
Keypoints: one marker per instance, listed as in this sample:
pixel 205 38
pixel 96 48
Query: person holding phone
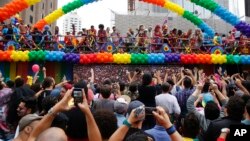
pixel 43 125
pixel 161 117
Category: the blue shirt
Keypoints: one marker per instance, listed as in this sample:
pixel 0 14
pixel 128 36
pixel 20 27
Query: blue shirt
pixel 120 118
pixel 182 98
pixel 159 133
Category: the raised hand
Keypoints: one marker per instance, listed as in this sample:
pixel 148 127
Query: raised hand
pixel 84 105
pixel 162 117
pixel 62 105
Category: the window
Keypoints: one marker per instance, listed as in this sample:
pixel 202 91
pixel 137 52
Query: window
pixel 51 5
pixel 42 16
pixel 43 6
pixel 31 19
pixel 32 8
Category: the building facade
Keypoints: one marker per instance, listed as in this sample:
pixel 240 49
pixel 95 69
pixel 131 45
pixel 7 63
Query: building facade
pixel 151 15
pixel 142 8
pixel 69 20
pixel 36 12
pixel 247 8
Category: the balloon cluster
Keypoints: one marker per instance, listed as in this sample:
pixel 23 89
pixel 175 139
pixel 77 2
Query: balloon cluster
pixel 233 59
pixel 191 17
pixel 156 2
pixel 11 8
pixel 172 58
pixel 174 7
pixel 245 59
pixel 244 28
pixel 188 59
pixel 104 58
pixel 5 56
pixel 20 56
pixel 224 14
pixel 54 56
pixel 52 17
pixel 122 58
pixel 203 59
pixel 37 55
pixel 218 59
pixel 199 22
pixel 72 6
pixel 208 4
pixel 139 58
pixel 207 29
pixel 72 58
pixel 154 58
pixel 185 14
pixel 87 58
pixel 40 24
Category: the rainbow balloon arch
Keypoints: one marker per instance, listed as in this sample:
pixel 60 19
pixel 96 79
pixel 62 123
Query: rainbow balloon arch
pixel 118 58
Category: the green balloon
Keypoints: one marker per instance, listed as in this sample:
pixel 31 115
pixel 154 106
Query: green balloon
pixel 230 59
pixel 72 6
pixel 191 17
pixel 208 4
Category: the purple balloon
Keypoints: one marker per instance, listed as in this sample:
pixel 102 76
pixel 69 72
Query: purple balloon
pixel 244 28
pixel 172 58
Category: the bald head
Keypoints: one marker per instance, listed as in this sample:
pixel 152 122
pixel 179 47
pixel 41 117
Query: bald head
pixel 52 134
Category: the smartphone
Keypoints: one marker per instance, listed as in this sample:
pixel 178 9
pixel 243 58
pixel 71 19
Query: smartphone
pixel 149 110
pixel 140 112
pixel 77 95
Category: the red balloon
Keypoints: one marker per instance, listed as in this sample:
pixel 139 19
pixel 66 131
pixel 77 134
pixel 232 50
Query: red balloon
pixel 35 68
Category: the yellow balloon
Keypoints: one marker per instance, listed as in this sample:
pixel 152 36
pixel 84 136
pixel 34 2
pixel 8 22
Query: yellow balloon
pixel 32 2
pixel 174 7
pixel 54 16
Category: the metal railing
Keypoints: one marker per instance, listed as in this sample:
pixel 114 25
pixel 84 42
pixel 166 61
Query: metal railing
pixel 88 43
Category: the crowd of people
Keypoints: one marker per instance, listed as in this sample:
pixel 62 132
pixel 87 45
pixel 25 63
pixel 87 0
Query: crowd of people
pixel 149 39
pixel 174 104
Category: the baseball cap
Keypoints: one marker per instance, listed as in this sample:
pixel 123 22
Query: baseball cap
pixel 134 104
pixel 27 120
pixel 206 98
pixel 126 98
pixel 120 106
pixel 55 92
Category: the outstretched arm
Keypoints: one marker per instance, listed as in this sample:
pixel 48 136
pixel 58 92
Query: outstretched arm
pixel 163 119
pixel 92 128
pixel 46 121
pixel 121 132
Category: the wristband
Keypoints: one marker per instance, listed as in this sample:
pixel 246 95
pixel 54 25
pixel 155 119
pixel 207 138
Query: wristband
pixel 171 130
pixel 52 113
pixel 125 122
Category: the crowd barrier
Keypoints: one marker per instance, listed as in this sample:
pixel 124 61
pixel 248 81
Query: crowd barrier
pixel 91 44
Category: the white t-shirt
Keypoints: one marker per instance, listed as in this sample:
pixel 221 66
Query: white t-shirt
pixel 168 101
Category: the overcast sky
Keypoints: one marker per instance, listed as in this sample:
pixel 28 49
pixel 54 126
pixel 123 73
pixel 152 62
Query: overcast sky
pixel 97 12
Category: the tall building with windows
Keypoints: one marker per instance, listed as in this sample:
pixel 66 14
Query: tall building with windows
pixel 141 8
pixel 36 12
pixel 69 20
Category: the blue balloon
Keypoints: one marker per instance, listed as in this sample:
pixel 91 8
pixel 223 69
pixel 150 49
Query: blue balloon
pixel 87 1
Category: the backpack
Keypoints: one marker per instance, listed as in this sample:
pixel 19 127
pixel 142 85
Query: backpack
pixel 10 31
